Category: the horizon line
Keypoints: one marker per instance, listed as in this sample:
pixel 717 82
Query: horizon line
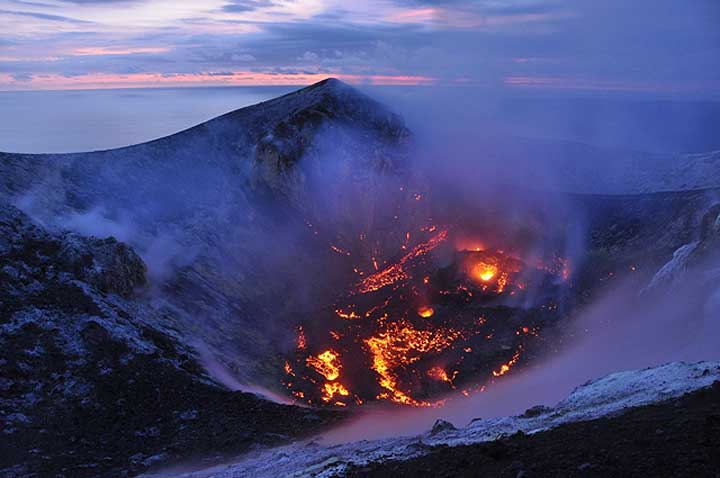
pixel 103 81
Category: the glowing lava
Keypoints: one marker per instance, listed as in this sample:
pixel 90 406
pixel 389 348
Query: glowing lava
pixel 330 390
pixel 425 312
pixel 484 271
pixel 396 272
pixel 418 326
pixel 400 345
pixel 505 368
pixel 326 364
pixel 439 373
pixel 350 315
pixel 301 342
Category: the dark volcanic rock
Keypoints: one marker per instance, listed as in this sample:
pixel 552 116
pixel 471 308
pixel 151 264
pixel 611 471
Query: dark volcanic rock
pixel 116 268
pixel 630 237
pixel 359 128
pixel 676 438
pixel 93 383
pixel 440 426
pixel 535 411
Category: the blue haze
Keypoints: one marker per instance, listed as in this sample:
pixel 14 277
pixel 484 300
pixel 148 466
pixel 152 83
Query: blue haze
pixel 88 120
pixel 74 121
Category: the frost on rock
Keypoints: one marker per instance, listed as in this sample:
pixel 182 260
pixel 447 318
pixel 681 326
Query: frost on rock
pixel 673 269
pixel 611 394
pixel 697 256
pixel 63 298
pixel 93 373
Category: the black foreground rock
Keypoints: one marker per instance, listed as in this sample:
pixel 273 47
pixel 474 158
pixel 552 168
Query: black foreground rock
pixel 676 438
pixel 94 384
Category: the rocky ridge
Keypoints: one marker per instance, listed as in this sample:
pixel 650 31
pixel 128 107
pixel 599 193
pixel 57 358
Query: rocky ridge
pixel 96 383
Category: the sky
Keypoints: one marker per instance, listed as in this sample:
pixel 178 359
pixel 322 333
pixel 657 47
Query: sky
pixel 643 46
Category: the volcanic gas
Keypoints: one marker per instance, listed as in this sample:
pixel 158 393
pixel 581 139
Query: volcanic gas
pixel 432 317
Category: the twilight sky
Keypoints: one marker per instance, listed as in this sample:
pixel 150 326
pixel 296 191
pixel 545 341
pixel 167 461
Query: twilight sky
pixel 644 46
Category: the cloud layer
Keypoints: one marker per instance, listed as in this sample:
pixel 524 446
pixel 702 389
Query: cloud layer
pixel 661 46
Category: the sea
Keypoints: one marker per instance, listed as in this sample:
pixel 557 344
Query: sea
pixel 89 120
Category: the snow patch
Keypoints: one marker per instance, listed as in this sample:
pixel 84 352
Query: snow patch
pixel 609 395
pixel 673 269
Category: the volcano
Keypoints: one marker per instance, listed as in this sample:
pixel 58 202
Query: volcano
pixel 294 250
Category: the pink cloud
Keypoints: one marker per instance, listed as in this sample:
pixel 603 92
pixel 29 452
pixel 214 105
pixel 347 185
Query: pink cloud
pixel 418 15
pixel 90 51
pixel 233 78
pixel 463 18
pixel 596 84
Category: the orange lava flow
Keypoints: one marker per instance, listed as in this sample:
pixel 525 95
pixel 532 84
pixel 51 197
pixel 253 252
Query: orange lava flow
pixel 505 368
pixel 425 324
pixel 484 271
pixel 493 272
pixel 301 342
pixel 502 283
pixel 402 344
pixel 439 373
pixel 396 272
pixel 425 312
pixel 330 390
pixel 351 315
pixel 326 364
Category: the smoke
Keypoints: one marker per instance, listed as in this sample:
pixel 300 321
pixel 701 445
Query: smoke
pixel 223 375
pixel 605 144
pixel 163 251
pixel 95 222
